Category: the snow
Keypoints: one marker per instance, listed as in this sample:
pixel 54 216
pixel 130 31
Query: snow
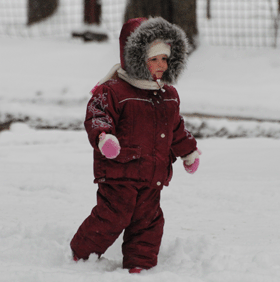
pixel 222 223
pixel 239 82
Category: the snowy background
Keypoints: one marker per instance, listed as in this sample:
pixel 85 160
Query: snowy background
pixel 222 224
pixel 46 84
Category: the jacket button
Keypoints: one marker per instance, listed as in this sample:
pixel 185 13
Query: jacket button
pixel 155 92
pixel 162 135
pixel 158 183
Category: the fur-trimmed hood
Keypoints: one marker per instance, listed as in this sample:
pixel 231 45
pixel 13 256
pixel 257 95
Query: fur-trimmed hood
pixel 136 37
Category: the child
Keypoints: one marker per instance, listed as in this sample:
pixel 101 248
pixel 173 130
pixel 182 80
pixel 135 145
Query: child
pixel 134 126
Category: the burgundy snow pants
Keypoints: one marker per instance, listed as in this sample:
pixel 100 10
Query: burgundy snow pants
pixel 123 207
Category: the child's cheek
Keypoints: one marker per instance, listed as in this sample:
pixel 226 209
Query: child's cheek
pixel 150 68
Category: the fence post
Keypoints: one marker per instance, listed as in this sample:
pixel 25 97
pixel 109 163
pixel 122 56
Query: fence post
pixel 92 15
pixel 92 11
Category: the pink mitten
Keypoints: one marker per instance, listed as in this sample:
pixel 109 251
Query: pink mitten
pixel 193 167
pixel 191 161
pixel 109 145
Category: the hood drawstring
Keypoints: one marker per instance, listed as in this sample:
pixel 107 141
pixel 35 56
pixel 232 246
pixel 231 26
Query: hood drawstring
pixel 157 80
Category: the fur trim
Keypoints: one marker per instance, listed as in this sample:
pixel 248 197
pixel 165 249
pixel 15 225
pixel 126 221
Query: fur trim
pixel 189 159
pixel 138 43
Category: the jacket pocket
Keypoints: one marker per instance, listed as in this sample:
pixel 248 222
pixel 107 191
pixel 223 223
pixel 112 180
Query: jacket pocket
pixel 126 166
pixel 128 154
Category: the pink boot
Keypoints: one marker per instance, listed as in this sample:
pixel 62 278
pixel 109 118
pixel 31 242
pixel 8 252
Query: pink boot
pixel 135 270
pixel 75 258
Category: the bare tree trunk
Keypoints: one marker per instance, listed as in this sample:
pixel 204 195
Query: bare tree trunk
pixel 208 8
pixel 146 8
pixel 40 9
pixel 92 11
pixel 185 17
pixel 180 12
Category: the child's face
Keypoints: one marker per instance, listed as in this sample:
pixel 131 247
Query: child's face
pixel 157 65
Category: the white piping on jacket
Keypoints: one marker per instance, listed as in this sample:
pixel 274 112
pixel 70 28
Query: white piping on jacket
pixel 138 99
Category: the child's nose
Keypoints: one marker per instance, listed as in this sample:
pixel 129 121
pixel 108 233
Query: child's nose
pixel 160 63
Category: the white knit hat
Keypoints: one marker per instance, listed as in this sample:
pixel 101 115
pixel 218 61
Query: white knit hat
pixel 159 47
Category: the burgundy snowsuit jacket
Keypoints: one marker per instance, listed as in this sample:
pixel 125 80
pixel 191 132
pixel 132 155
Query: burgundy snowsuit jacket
pixel 149 128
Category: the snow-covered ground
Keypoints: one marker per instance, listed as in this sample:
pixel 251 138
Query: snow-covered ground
pixel 222 223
